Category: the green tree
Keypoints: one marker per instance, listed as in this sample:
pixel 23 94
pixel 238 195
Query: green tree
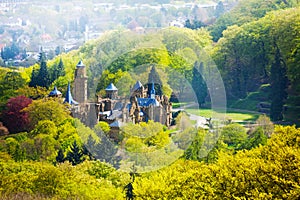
pixel 233 135
pixel 75 156
pixel 43 78
pixel 58 70
pixel 46 147
pixel 256 138
pixel 60 158
pixel 279 83
pixel 44 127
pixel 33 78
pixel 13 80
pixel 266 124
pixel 198 83
pixel 47 109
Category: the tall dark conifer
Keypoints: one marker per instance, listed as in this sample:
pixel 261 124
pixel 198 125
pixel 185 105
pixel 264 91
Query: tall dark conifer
pixel 60 156
pixel 43 76
pixel 198 83
pixel 61 68
pixel 279 83
pixel 57 71
pixel 33 78
pixel 75 156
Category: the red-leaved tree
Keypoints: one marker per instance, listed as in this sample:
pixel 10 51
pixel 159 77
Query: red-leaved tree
pixel 13 117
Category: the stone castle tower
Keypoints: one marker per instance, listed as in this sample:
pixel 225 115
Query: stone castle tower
pixel 80 83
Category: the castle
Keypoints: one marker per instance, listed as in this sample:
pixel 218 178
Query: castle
pixel 143 105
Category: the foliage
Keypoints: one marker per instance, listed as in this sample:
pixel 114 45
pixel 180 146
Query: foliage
pixel 102 126
pixel 57 71
pixel 256 138
pixel 10 81
pixel 14 117
pixel 33 92
pixel 47 109
pixel 10 52
pixel 270 171
pixel 233 135
pixel 75 155
pixel 41 77
pixel 279 84
pixel 193 24
pixel 34 179
pixel 251 49
pixel 247 11
pixel 103 150
pixel 266 124
pixel 44 127
pixel 60 158
pixel 199 84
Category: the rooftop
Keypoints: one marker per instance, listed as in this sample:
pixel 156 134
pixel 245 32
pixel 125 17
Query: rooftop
pixel 137 85
pixel 54 92
pixel 80 64
pixel 111 87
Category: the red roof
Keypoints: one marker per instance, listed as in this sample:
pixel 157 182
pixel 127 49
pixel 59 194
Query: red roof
pixel 2 46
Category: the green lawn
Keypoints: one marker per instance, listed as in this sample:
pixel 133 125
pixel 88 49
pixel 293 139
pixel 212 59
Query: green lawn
pixel 237 116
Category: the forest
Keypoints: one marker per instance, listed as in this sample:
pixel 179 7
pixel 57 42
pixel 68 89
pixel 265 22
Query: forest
pixel 45 153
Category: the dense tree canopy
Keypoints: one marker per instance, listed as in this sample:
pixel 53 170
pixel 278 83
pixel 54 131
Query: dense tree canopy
pixel 47 109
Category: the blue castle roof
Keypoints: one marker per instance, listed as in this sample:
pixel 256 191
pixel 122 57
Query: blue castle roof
pixel 69 99
pixel 152 92
pixel 55 92
pixel 80 64
pixel 147 102
pixel 111 87
pixel 137 85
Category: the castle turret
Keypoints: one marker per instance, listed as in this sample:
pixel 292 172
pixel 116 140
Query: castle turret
pixel 55 93
pixel 80 83
pixel 111 91
pixel 69 99
pixel 152 92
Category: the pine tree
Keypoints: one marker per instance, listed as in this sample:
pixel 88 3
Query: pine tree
pixel 198 83
pixel 129 187
pixel 61 68
pixel 43 76
pixel 60 158
pixel 33 79
pixel 75 156
pixel 279 83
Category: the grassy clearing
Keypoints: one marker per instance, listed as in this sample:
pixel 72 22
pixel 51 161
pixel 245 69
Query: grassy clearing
pixel 237 116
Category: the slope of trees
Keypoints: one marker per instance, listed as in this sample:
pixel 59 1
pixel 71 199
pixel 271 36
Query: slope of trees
pixel 246 54
pixel 247 11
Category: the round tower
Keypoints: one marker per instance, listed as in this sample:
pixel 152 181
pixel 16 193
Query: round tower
pixel 80 83
pixel 111 91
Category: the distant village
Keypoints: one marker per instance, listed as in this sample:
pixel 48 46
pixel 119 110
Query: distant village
pixel 23 34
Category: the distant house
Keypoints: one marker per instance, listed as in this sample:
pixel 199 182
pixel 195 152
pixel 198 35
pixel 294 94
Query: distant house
pixel 176 23
pixel 46 38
